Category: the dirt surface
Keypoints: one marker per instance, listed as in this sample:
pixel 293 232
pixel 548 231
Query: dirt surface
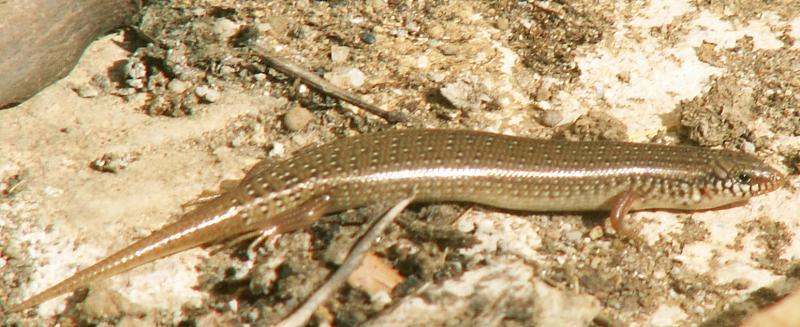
pixel 151 119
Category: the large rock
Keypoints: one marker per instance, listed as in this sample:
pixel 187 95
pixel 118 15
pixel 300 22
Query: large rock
pixel 41 40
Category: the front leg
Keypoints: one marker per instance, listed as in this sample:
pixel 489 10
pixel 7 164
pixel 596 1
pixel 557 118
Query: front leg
pixel 620 207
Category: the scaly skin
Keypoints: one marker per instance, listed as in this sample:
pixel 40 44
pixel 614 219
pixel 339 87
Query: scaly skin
pixel 445 165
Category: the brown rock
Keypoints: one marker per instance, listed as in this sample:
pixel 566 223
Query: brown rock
pixel 42 40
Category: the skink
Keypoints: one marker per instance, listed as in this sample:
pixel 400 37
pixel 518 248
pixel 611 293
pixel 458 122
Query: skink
pixel 448 165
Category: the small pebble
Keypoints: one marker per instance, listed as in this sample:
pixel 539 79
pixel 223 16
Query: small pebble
pixel 400 33
pixel 225 28
pixel 573 236
pixel 278 150
pixel 211 96
pixel 551 118
pixel 85 91
pixel 346 77
pixel 339 54
pixel 501 101
pixel 338 250
pixel 624 77
pixel 297 118
pixel 227 70
pixel 136 97
pixel 436 77
pixel 380 300
pixel 237 140
pixel 52 191
pixel 126 91
pixel 208 94
pixel 368 38
pixel 412 26
pixel 600 91
pixel 544 105
pixel 596 233
pixel 134 69
pixel 423 62
pixel 448 49
pixel 262 27
pixel 436 32
pixel 544 92
pixel 109 163
pixel 178 86
pixel 135 83
pixel 749 147
pixel 260 77
pixel 501 23
pixel 460 95
pixel 302 89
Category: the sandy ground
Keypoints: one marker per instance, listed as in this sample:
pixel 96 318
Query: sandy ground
pixel 661 71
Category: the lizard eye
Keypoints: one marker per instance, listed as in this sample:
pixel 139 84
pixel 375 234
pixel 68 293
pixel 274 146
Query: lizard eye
pixel 743 178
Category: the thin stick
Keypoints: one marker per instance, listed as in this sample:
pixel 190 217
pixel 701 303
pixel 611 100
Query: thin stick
pixel 321 85
pixel 301 316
